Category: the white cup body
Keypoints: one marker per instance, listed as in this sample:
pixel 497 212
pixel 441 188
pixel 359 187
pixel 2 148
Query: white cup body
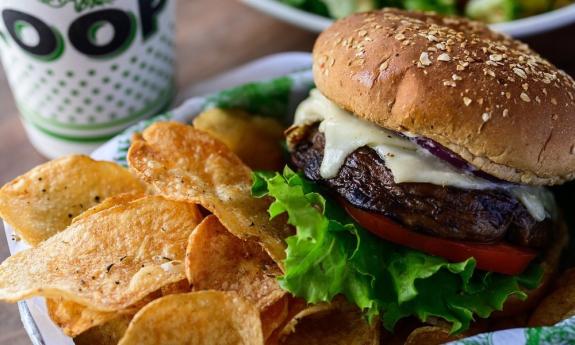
pixel 82 71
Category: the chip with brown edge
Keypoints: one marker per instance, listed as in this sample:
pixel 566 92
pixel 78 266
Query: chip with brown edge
pixel 558 305
pixel 337 323
pixel 108 261
pixel 196 318
pixel 431 335
pixel 218 260
pixel 255 139
pixel 184 163
pixel 43 201
pixel 74 318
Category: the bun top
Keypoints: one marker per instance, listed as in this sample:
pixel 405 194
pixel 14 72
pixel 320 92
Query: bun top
pixel 483 95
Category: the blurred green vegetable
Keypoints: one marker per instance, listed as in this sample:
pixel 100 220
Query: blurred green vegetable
pixel 439 6
pixel 340 9
pixel 492 11
pixel 313 6
pixel 531 7
pixel 489 11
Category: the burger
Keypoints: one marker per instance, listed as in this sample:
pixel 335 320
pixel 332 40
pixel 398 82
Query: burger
pixel 420 167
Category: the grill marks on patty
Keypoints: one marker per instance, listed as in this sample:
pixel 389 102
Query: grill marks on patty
pixel 484 216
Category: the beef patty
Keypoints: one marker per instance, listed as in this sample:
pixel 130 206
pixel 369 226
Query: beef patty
pixel 484 216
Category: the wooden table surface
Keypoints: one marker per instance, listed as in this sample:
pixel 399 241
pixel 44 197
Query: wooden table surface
pixel 213 36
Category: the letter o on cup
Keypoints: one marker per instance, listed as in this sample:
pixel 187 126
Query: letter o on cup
pixel 49 45
pixel 82 33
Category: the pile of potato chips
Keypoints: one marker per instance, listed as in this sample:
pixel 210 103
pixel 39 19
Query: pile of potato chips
pixel 174 250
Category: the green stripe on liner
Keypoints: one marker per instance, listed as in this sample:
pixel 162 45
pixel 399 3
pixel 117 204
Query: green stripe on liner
pixel 72 138
pixel 160 103
pixel 76 139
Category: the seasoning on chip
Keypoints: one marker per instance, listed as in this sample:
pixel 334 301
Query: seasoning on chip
pixel 44 201
pixel 108 261
pixel 217 260
pixel 184 163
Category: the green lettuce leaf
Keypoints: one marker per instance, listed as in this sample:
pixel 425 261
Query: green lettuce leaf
pixel 331 254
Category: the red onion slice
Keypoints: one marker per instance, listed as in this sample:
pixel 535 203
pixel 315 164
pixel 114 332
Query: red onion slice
pixel 452 158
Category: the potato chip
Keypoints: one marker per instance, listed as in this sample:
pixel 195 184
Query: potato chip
pixel 184 163
pixel 109 333
pixel 255 139
pixel 338 323
pixel 74 318
pixel 196 318
pixel 430 335
pixel 109 203
pixel 558 305
pixel 275 316
pixel 108 261
pixel 182 286
pixel 217 260
pixel 44 200
pixel 297 309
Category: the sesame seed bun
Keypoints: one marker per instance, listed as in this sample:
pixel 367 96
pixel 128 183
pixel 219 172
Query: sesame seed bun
pixel 485 96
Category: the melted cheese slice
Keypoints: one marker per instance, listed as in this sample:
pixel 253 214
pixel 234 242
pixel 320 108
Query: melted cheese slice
pixel 344 133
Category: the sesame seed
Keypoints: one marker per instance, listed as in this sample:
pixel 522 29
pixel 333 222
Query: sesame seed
pixel 489 72
pixel 432 38
pixel 383 66
pixel 525 86
pixel 449 83
pixel 362 33
pixel 521 73
pixel 440 46
pixel 485 117
pixel 524 97
pixel 444 57
pixel 424 59
pixel 505 112
pixel 400 37
pixel 456 77
pixel 553 101
pixel 496 57
pixel 467 101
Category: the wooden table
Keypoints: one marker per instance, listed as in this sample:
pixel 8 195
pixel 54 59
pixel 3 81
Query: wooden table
pixel 212 36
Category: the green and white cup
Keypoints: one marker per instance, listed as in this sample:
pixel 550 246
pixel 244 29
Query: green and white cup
pixel 83 70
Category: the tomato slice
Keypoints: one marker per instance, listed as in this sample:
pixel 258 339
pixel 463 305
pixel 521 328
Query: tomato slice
pixel 499 257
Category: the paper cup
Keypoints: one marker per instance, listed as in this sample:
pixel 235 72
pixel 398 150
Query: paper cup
pixel 83 70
